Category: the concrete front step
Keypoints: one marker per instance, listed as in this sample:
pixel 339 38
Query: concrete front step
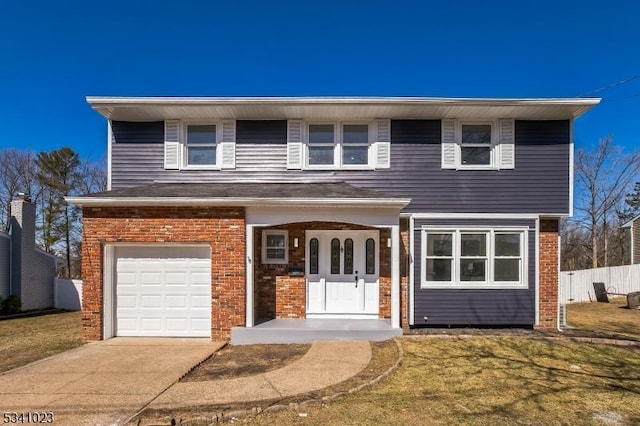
pixel 309 330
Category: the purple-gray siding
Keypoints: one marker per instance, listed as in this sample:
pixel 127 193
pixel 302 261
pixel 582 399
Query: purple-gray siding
pixel 538 184
pixel 455 307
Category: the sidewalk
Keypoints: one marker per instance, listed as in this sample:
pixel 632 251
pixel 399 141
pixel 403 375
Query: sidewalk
pixel 325 364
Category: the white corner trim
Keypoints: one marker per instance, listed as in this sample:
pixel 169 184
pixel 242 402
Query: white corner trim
pixel 109 153
pixel 411 278
pixel 537 273
pixel 108 295
pixel 571 167
pixel 395 276
pixel 249 261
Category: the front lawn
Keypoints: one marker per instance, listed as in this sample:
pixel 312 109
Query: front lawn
pixel 491 381
pixel 24 340
pixel 605 318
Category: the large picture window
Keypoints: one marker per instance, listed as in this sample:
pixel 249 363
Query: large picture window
pixel 473 258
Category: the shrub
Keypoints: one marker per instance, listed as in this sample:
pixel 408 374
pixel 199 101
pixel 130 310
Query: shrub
pixel 11 305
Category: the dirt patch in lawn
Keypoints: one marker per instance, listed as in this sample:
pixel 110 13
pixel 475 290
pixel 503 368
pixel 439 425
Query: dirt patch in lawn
pixel 24 340
pixel 384 357
pixel 239 361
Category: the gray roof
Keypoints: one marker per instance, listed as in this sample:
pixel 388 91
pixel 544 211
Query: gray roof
pixel 244 190
pixel 240 194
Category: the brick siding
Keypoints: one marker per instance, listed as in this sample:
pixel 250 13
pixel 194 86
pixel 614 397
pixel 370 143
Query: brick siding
pixel 548 253
pixel 222 228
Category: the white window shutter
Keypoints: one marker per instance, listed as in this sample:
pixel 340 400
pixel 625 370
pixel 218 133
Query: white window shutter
pixel 294 144
pixel 172 144
pixel 507 147
pixel 382 144
pixel 228 145
pixel 449 145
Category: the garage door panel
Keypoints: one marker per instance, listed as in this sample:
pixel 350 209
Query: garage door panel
pixel 163 291
pixel 200 301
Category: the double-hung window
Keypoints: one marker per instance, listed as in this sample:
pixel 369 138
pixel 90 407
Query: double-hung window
pixel 474 258
pixel 201 145
pixel 338 145
pixel 275 247
pixel 355 144
pixel 322 145
pixel 476 145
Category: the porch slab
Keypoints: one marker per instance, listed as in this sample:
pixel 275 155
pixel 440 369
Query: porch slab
pixel 310 330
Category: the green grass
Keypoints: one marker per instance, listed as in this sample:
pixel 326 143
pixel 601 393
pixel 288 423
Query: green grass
pixel 605 318
pixel 24 340
pixel 491 381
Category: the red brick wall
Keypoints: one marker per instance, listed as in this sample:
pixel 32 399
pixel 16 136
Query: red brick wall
pixel 549 269
pixel 404 274
pixel 291 297
pixel 222 228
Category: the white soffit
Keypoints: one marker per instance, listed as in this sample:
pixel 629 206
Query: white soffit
pixel 162 108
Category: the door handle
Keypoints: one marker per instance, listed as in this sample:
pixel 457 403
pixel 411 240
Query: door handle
pixel 356 279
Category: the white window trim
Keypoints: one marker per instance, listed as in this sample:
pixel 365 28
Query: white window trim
pixel 285 234
pixel 338 144
pixel 183 144
pixel 466 285
pixel 495 142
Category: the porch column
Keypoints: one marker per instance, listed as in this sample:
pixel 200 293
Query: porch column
pixel 395 276
pixel 248 273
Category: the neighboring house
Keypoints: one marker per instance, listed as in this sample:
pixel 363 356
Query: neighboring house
pixel 223 213
pixel 25 271
pixel 634 239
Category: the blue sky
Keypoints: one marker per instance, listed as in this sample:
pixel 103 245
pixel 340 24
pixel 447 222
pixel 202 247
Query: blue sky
pixel 54 53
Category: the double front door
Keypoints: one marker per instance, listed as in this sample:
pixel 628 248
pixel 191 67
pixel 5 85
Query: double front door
pixel 342 273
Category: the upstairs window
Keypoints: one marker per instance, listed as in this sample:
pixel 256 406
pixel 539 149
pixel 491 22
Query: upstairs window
pixel 355 144
pixel 339 145
pixel 201 144
pixel 478 145
pixel 322 144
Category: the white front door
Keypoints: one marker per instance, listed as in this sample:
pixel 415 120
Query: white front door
pixel 342 273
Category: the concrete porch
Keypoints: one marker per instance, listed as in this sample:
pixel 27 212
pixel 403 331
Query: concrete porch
pixel 308 330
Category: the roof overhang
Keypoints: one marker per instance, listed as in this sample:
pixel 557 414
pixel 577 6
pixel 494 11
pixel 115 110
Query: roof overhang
pixel 88 201
pixel 331 108
pixel 629 224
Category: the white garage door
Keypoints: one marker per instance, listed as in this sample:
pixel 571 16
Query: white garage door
pixel 163 291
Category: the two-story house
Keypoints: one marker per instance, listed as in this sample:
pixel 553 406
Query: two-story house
pixel 226 216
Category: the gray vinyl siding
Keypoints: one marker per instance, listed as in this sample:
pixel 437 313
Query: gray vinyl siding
pixel 636 241
pixel 5 265
pixel 538 184
pixel 137 132
pixel 468 307
pixel 261 131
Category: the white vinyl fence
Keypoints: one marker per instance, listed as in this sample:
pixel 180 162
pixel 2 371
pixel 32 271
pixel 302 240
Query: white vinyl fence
pixel 67 294
pixel 577 286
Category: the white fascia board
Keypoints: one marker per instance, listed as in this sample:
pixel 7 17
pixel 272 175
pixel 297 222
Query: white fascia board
pixel 477 215
pixel 242 202
pixel 102 101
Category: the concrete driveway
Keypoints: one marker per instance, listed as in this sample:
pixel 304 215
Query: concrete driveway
pixel 102 383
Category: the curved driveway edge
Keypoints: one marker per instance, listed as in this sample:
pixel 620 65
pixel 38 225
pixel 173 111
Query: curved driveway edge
pixel 102 383
pixel 325 364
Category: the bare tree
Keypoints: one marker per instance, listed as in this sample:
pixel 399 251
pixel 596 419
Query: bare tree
pixel 603 176
pixel 17 174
